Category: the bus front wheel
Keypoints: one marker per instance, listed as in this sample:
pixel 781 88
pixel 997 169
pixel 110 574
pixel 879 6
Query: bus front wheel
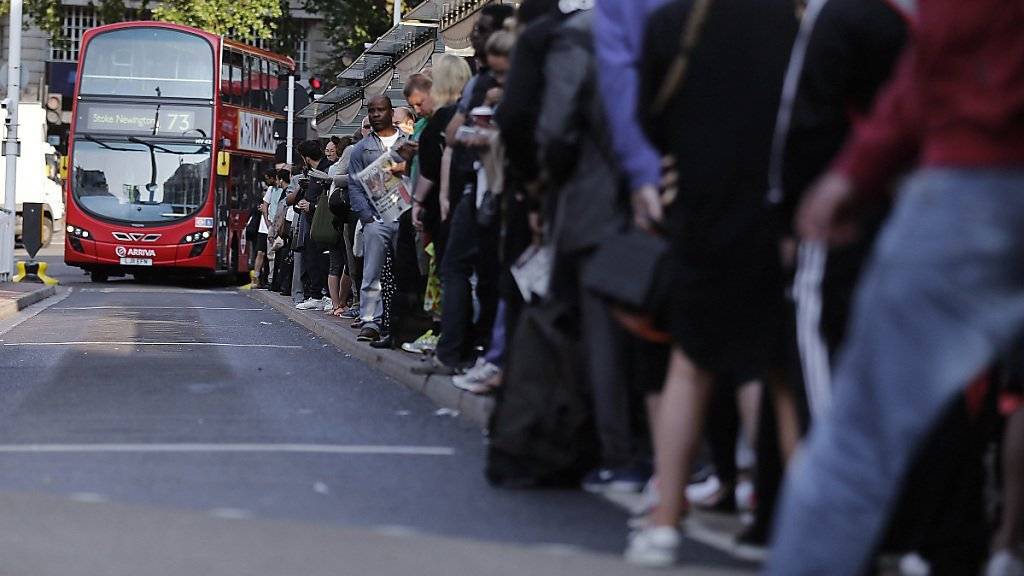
pixel 47 231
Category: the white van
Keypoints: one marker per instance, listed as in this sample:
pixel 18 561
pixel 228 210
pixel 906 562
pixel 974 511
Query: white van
pixel 38 177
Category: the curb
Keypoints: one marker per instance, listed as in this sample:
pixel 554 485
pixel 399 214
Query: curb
pixel 22 299
pixel 393 363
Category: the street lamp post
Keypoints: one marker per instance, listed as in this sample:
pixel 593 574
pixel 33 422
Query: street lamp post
pixel 10 148
pixel 398 12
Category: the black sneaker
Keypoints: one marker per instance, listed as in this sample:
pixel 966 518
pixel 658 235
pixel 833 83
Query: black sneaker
pixel 751 544
pixel 435 366
pixel 384 342
pixel 368 334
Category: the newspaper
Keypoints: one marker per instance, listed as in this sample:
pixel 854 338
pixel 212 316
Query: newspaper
pixel 388 193
pixel 532 272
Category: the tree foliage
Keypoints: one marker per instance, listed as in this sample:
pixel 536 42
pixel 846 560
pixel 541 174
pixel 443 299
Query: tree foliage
pixel 348 25
pixel 235 18
pixel 246 19
pixel 48 15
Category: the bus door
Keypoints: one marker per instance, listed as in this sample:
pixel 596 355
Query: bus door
pixel 221 219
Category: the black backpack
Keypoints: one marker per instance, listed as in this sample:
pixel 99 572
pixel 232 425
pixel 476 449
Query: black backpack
pixel 542 431
pixel 253 227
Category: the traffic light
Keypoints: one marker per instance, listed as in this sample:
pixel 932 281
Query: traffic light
pixel 316 87
pixel 54 107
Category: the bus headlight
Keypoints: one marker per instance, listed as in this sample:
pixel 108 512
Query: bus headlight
pixel 195 237
pixel 78 232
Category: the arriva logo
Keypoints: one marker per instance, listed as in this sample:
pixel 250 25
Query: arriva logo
pixel 121 252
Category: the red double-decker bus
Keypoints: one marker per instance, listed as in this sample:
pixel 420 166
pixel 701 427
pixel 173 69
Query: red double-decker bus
pixel 171 131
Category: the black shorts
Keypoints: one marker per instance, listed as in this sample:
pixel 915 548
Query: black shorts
pixel 338 260
pixel 261 243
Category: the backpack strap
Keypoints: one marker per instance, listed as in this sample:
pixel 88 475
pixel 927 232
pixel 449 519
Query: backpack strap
pixel 676 75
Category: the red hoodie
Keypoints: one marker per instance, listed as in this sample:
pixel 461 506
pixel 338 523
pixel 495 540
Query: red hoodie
pixel 956 100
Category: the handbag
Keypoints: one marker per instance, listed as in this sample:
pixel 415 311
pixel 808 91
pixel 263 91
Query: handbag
pixel 299 232
pixel 322 230
pixel 340 209
pixel 252 228
pixel 631 270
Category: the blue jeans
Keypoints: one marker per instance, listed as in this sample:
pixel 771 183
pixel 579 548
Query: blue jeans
pixel 942 295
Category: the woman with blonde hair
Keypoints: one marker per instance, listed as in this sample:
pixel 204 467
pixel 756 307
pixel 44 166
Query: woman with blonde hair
pixel 449 76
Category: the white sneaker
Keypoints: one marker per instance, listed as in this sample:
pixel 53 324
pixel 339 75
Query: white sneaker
pixel 328 306
pixel 913 564
pixel 309 304
pixel 702 493
pixel 1005 563
pixel 480 379
pixel 655 547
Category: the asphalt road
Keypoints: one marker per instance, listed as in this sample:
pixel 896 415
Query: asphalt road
pixel 175 429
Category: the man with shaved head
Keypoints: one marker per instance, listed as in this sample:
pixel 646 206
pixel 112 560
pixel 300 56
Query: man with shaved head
pixel 378 235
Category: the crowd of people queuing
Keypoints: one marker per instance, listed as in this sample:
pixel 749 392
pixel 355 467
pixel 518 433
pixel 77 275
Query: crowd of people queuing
pixel 660 230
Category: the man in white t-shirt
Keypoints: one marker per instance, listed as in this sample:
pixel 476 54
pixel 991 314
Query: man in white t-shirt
pixel 259 279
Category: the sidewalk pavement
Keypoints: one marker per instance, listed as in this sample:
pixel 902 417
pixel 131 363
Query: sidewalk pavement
pixel 711 529
pixel 50 535
pixel 394 363
pixel 15 297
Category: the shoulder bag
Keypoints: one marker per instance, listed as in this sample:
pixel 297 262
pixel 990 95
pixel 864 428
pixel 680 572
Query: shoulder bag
pixel 631 269
pixel 322 230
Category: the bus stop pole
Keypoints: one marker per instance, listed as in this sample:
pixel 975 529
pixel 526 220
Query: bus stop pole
pixel 291 120
pixel 10 144
pixel 398 12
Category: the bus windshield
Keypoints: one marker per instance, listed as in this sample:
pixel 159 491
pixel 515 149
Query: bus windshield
pixel 148 62
pixel 140 180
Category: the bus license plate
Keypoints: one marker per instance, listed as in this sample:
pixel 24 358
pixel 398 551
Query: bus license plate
pixel 136 261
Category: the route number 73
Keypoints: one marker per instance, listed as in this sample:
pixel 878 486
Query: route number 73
pixel 180 122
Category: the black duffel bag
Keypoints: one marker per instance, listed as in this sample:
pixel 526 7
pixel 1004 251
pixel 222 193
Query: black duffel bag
pixel 542 430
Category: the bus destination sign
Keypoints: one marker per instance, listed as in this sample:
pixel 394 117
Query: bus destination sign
pixel 167 121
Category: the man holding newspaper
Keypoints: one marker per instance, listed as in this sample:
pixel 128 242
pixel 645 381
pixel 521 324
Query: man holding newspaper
pixel 378 195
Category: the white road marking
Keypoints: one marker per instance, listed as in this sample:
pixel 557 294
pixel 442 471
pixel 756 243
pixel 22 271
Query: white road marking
pixel 696 530
pixel 159 308
pixel 395 530
pixel 89 497
pixel 555 549
pixel 101 343
pixel 231 513
pixel 355 449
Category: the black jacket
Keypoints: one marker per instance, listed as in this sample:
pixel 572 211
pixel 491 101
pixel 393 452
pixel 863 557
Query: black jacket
pixel 852 49
pixel 575 147
pixel 520 107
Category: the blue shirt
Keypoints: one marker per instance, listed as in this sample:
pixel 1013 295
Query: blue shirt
pixel 618 34
pixel 364 153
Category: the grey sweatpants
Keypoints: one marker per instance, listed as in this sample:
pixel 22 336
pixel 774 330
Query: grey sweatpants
pixel 378 237
pixel 942 295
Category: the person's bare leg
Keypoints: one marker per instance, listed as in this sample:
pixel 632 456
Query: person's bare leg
pixel 653 408
pixel 345 291
pixel 748 399
pixel 677 437
pixel 334 289
pixel 1011 530
pixel 786 416
pixel 258 268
